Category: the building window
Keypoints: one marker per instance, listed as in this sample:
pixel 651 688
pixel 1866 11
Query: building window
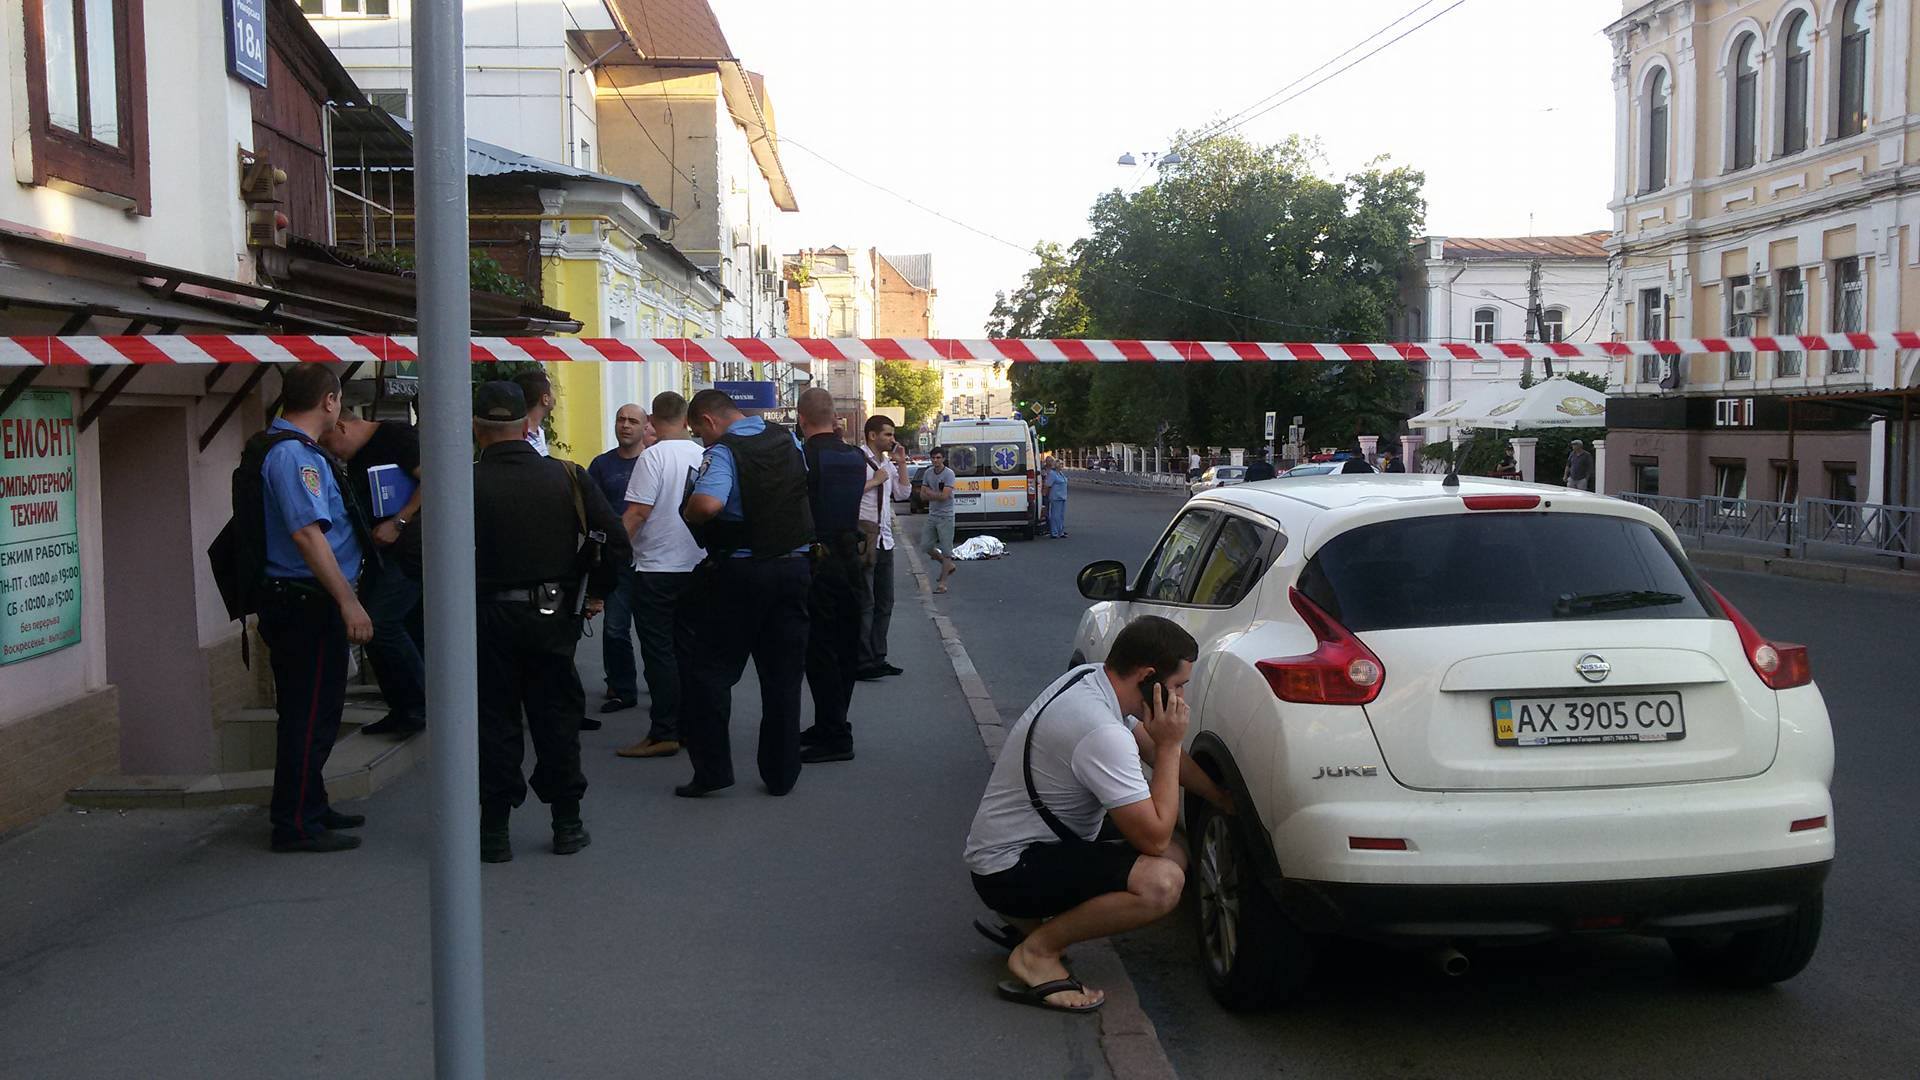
pixel 1730 479
pixel 1842 485
pixel 1654 368
pixel 1553 325
pixel 1849 311
pixel 87 95
pixel 1786 482
pixel 1856 24
pixel 348 8
pixel 1483 324
pixel 586 155
pixel 393 101
pixel 1646 476
pixel 1659 108
pixel 1791 320
pixel 1793 95
pixel 1746 99
pixel 1739 325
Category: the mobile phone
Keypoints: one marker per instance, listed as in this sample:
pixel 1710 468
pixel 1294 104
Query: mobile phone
pixel 1148 685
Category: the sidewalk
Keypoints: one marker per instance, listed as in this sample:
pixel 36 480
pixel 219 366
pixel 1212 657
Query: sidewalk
pixel 820 935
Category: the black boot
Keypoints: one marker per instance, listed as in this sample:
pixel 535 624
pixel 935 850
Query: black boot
pixel 496 844
pixel 569 835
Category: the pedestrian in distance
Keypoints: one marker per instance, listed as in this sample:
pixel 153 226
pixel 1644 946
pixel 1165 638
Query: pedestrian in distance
pixel 1390 462
pixel 888 462
pixel 1193 465
pixel 1056 498
pixel 664 557
pixel 545 547
pixel 315 545
pixel 1579 474
pixel 836 481
pixel 537 390
pixel 386 455
pixel 612 472
pixel 1072 762
pixel 748 509
pixel 936 487
pixel 1260 469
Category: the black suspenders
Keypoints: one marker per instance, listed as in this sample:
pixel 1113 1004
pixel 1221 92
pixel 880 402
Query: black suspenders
pixel 1026 767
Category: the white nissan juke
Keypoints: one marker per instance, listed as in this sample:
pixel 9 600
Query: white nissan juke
pixel 1481 713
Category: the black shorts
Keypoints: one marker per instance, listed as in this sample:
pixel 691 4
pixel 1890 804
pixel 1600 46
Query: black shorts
pixel 1054 877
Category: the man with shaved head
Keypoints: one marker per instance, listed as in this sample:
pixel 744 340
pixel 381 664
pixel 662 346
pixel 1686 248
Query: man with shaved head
pixel 611 472
pixel 837 478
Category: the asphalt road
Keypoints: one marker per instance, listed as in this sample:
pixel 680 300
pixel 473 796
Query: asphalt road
pixel 825 934
pixel 1604 1008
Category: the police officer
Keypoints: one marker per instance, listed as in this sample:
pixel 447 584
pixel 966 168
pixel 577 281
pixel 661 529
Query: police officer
pixel 836 478
pixel 748 509
pixel 546 546
pixel 309 613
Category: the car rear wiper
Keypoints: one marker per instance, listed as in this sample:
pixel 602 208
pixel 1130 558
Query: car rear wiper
pixel 1624 599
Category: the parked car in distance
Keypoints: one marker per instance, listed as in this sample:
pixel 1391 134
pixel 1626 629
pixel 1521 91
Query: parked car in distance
pixel 1312 469
pixel 1218 476
pixel 1474 715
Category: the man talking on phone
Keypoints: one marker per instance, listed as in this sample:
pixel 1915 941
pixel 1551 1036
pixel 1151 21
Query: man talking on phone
pixel 1072 763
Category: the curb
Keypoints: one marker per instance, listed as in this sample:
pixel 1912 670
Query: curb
pixel 1859 577
pixel 1127 1035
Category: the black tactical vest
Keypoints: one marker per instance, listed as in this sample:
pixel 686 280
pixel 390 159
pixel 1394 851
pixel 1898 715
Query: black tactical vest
pixel 836 480
pixel 773 497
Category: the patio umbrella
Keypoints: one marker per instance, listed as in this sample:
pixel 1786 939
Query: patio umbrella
pixel 1555 402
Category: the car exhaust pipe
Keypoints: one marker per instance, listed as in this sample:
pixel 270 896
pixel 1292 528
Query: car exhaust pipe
pixel 1451 961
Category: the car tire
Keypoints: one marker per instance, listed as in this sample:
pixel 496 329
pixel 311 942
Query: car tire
pixel 1756 957
pixel 1026 532
pixel 1253 956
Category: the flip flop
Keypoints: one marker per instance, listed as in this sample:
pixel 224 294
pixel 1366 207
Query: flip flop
pixel 1007 937
pixel 1020 994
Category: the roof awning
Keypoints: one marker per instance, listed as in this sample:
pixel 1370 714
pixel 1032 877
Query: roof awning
pixel 1901 402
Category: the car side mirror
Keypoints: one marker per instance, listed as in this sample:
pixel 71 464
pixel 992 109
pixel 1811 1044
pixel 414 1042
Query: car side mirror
pixel 1103 580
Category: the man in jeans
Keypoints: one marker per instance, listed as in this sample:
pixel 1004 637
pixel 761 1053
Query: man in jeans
pixel 664 555
pixel 611 472
pixel 1079 747
pixel 390 588
pixel 936 487
pixel 889 482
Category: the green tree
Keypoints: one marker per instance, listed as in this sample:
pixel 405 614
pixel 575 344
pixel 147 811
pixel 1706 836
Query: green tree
pixel 1233 242
pixel 915 389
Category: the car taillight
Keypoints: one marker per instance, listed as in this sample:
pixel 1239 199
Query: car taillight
pixel 1341 671
pixel 1779 665
pixel 1500 502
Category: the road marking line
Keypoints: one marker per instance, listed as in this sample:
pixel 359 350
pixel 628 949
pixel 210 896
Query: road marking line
pixel 1127 1035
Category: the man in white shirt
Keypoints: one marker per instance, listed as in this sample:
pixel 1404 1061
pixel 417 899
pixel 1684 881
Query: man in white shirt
pixel 889 463
pixel 1079 752
pixel 664 555
pixel 538 390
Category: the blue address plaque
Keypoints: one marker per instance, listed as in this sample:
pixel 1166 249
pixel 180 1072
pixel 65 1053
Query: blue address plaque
pixel 247 40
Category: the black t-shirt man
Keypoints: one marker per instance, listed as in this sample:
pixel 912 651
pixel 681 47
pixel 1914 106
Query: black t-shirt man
pixel 392 443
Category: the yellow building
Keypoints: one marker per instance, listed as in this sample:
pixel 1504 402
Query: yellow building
pixel 1763 159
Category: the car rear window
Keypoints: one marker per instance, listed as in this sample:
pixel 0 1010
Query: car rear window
pixel 987 459
pixel 1475 569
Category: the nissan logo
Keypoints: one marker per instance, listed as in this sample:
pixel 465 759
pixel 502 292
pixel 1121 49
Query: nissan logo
pixel 1592 668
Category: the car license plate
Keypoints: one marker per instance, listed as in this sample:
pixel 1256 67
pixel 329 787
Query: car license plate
pixel 966 498
pixel 1582 718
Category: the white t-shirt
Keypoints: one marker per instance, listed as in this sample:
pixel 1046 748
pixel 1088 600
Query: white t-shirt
pixel 1085 763
pixel 877 505
pixel 663 545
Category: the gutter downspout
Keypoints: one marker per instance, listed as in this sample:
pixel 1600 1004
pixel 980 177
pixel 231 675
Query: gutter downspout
pixel 1452 433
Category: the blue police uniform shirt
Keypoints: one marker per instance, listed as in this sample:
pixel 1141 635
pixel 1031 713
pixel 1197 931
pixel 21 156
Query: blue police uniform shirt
pixel 299 490
pixel 717 479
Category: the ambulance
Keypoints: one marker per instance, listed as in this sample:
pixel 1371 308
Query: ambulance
pixel 996 469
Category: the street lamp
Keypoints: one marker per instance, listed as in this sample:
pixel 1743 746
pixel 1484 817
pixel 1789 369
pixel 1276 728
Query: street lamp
pixel 1152 158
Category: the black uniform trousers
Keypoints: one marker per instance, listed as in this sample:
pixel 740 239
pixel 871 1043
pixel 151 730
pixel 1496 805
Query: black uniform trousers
pixel 833 639
pixel 526 667
pixel 307 643
pixel 740 608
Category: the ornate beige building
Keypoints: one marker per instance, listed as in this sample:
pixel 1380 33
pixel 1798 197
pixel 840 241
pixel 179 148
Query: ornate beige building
pixel 1764 182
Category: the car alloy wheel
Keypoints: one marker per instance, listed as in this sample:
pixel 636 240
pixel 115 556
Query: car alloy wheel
pixel 1220 894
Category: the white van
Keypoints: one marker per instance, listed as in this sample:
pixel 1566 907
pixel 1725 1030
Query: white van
pixel 995 465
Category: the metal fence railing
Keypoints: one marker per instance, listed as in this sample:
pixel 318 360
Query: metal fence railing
pixel 1816 527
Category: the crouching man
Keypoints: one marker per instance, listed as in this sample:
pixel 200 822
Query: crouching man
pixel 1073 761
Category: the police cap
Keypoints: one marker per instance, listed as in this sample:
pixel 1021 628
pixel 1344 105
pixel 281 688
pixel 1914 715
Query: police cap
pixel 499 401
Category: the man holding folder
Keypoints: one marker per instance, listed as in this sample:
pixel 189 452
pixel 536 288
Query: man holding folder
pixel 384 460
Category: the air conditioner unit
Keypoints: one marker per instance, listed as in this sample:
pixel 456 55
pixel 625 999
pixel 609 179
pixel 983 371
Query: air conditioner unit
pixel 1752 299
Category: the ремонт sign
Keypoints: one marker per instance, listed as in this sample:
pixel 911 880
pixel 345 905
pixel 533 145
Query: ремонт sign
pixel 39 535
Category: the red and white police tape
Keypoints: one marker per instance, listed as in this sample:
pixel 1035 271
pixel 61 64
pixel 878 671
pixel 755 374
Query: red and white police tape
pixel 290 348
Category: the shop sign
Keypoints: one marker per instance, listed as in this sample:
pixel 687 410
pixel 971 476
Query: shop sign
pixel 39 536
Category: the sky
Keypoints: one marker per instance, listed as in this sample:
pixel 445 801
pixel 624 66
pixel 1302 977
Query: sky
pixel 1009 115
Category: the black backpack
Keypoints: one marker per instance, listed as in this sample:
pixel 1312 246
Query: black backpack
pixel 238 555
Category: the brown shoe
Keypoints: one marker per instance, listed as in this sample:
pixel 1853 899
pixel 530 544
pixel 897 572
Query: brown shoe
pixel 651 747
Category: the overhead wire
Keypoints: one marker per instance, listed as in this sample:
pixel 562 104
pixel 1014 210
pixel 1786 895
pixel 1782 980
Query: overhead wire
pixel 671 158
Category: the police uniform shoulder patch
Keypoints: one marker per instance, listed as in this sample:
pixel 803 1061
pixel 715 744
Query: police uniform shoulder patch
pixel 706 462
pixel 310 478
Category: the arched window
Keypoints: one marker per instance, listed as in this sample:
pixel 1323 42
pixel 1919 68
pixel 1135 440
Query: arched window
pixel 1659 107
pixel 1746 100
pixel 1553 324
pixel 1483 324
pixel 1856 24
pixel 1793 92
